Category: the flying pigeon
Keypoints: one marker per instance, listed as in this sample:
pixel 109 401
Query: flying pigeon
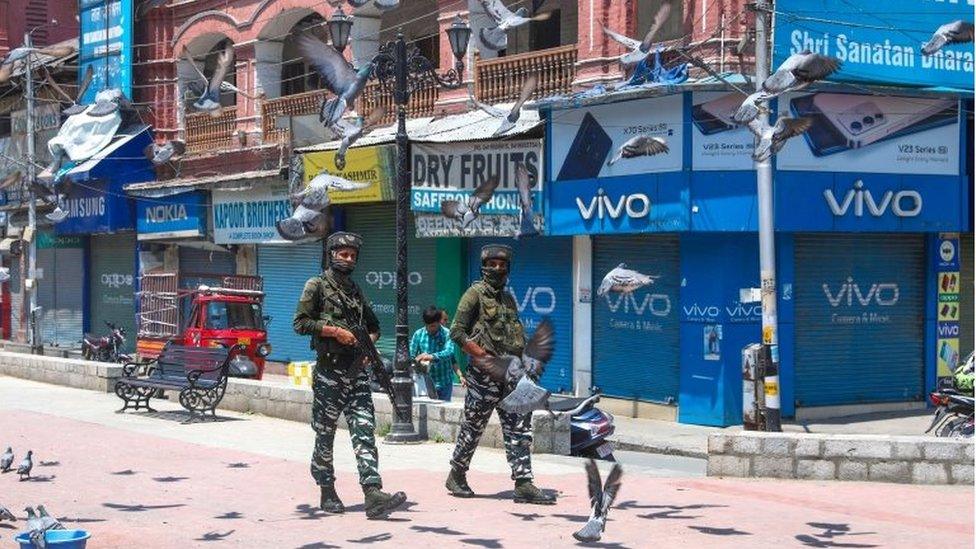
pixel 76 106
pixel 51 196
pixel 773 137
pixel 622 280
pixel 338 75
pixel 6 460
pixel 49 522
pixel 351 132
pixel 315 195
pixel 209 100
pixel 26 465
pixel 601 498
pixel 519 375
pixel 496 38
pixel 13 178
pixel 5 514
pixel 4 274
pixel 511 117
pixel 107 103
pixel 161 154
pixel 386 5
pixel 302 223
pixel 639 49
pixel 797 72
pixel 465 212
pixel 641 145
pixel 17 55
pixel 524 184
pixel 957 32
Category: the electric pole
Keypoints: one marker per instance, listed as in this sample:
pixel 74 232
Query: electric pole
pixel 767 241
pixel 31 206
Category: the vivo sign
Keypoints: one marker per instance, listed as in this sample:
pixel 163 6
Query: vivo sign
pixel 883 294
pixel 601 206
pixel 655 304
pixel 901 203
pixel 542 299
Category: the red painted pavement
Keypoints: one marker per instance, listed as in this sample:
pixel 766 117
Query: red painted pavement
pixel 177 491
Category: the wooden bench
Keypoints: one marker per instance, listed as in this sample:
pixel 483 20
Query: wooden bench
pixel 198 373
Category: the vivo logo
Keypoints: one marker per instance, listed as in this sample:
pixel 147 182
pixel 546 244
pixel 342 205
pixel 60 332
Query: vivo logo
pixel 948 330
pixel 884 294
pixel 656 304
pixel 737 311
pixel 601 206
pixel 901 203
pixel 166 212
pixel 542 299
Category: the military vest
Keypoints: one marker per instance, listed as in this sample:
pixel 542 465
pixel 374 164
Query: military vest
pixel 498 329
pixel 338 308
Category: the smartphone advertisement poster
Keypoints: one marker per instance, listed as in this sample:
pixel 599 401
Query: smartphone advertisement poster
pixel 717 142
pixel 873 134
pixel 887 42
pixel 604 140
pixel 948 306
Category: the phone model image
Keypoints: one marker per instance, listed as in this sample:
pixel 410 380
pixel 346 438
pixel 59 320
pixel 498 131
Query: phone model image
pixel 945 282
pixel 825 137
pixel 866 119
pixel 949 355
pixel 715 116
pixel 589 150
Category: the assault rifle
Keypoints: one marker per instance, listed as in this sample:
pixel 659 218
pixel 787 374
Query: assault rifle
pixel 368 356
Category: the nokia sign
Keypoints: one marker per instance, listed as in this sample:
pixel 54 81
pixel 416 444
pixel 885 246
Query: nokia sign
pixel 901 204
pixel 602 206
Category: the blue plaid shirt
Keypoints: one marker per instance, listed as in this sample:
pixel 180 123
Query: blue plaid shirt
pixel 439 345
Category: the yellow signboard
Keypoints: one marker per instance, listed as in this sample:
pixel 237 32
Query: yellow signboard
pixel 373 165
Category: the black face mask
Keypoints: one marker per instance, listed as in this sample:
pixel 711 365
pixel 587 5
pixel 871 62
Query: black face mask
pixel 496 278
pixel 341 266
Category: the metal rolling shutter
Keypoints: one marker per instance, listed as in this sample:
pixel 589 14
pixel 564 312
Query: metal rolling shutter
pixel 542 284
pixel 377 265
pixel 965 296
pixel 636 337
pixel 60 295
pixel 285 269
pixel 860 303
pixel 196 264
pixel 111 285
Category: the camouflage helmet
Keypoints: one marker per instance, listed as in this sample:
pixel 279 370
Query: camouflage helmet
pixel 343 240
pixel 497 251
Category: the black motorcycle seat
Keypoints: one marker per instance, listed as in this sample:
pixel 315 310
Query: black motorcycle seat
pixel 565 404
pixel 92 338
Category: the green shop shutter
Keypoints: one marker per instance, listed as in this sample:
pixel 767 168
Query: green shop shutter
pixel 966 296
pixel 111 285
pixel 285 268
pixel 636 336
pixel 377 267
pixel 60 292
pixel 859 302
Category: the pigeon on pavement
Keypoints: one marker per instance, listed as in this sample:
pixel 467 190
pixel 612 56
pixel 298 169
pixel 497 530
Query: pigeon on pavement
pixel 5 514
pixel 26 465
pixel 524 184
pixel 49 522
pixel 508 119
pixel 601 498
pixel 466 211
pixel 622 280
pixel 639 49
pixel 519 375
pixel 795 73
pixel 7 460
pixel 957 32
pixel 496 38
pixel 351 132
pixel 337 74
pixel 641 145
pixel 772 138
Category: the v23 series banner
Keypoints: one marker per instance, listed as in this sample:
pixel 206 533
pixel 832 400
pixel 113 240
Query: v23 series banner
pixel 878 42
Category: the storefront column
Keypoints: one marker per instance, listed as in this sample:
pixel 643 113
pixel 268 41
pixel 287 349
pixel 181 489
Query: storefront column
pixel 171 259
pixel 582 315
pixel 247 259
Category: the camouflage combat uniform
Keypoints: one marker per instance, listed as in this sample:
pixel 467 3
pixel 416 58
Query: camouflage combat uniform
pixel 489 316
pixel 326 301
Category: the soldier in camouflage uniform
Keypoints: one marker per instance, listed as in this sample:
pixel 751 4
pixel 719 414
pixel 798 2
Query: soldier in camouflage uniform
pixel 330 304
pixel 487 323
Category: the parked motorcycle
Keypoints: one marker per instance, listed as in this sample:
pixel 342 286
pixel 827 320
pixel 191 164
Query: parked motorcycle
pixel 106 348
pixel 589 427
pixel 954 414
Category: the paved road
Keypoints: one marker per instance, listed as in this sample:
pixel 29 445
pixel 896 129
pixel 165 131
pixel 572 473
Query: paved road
pixel 149 481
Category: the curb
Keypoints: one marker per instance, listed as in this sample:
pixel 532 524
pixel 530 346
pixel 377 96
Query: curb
pixel 652 447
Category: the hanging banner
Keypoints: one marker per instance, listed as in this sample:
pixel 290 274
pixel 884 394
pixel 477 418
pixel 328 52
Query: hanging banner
pixel 585 141
pixel 105 46
pixel 948 306
pixel 452 171
pixel 498 225
pixel 873 134
pixel 877 42
pixel 249 217
pixel 717 142
pixel 373 165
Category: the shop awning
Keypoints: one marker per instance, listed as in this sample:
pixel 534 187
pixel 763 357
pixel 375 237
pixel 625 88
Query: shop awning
pixel 226 182
pixel 121 160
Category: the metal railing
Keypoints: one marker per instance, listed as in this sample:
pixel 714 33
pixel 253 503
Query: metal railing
pixel 290 105
pixel 207 133
pixel 500 80
pixel 421 102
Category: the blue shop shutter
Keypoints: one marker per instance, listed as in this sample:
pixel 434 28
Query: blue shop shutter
pixel 199 266
pixel 285 269
pixel 860 333
pixel 542 283
pixel 636 337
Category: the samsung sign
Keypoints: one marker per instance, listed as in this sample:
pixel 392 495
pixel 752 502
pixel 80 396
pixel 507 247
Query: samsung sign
pixel 96 207
pixel 178 216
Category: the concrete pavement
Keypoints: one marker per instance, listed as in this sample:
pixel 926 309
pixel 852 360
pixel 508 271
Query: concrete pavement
pixel 147 480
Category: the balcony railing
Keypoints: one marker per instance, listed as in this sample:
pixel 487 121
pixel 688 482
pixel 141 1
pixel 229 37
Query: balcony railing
pixel 374 96
pixel 206 133
pixel 292 105
pixel 500 80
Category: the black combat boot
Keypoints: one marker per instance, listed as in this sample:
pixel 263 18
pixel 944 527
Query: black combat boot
pixel 457 484
pixel 379 504
pixel 330 502
pixel 526 492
